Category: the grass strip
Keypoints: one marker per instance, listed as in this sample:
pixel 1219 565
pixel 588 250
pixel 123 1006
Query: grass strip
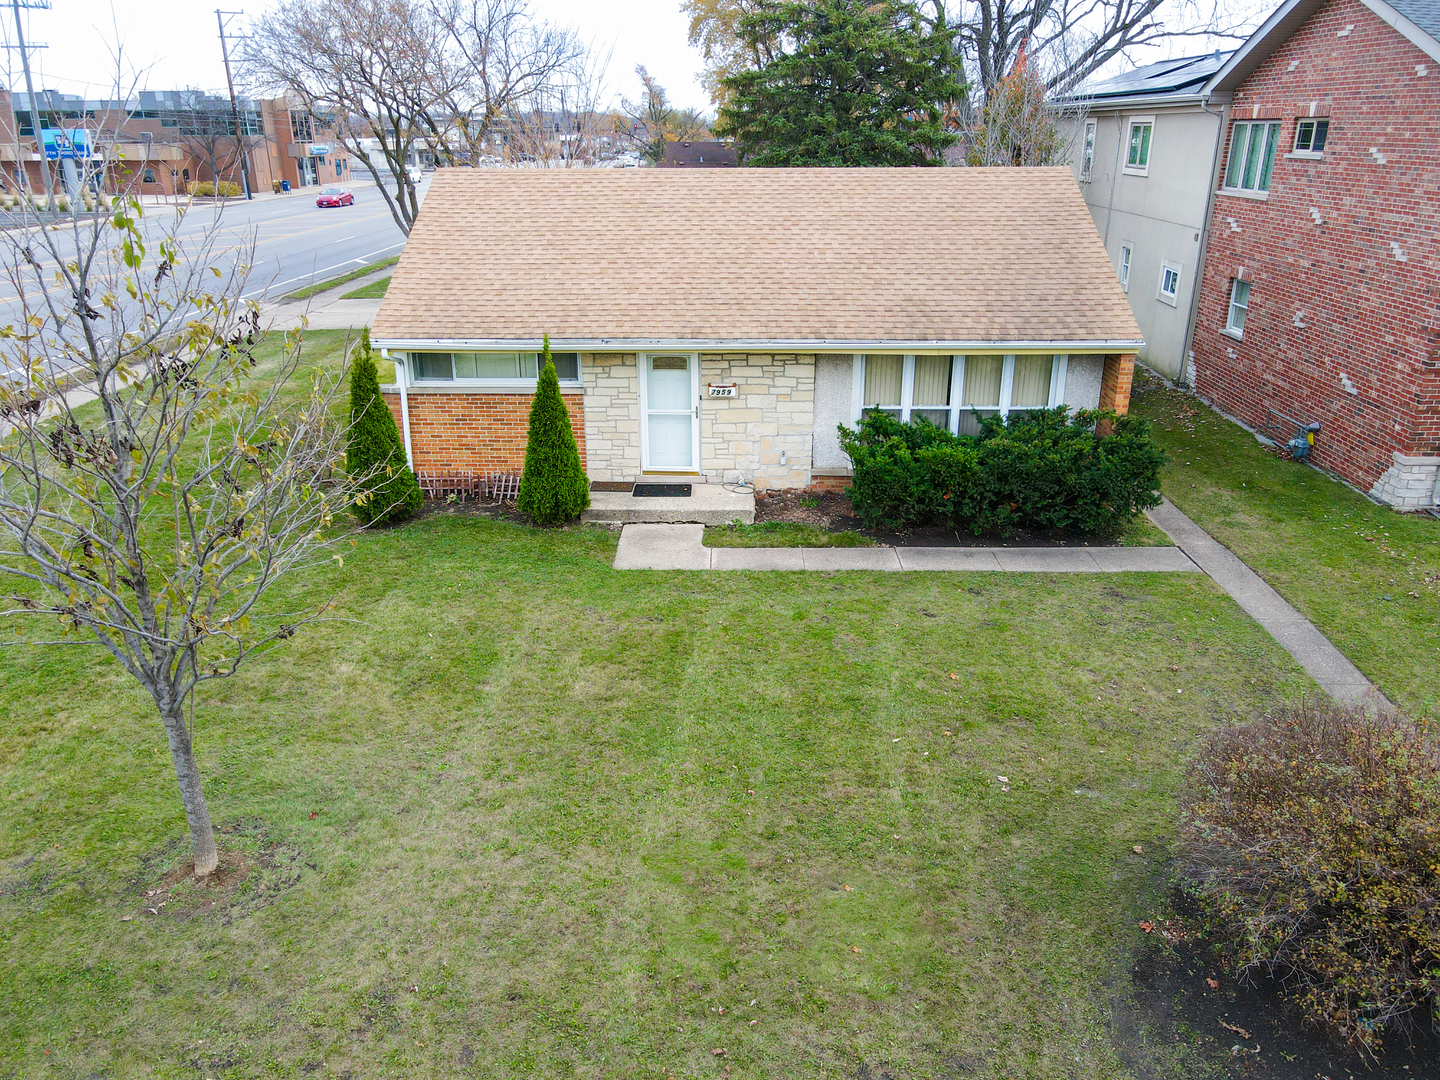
pixel 334 283
pixel 374 291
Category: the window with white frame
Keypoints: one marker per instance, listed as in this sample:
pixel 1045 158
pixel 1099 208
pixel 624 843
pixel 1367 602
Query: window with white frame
pixel 1137 154
pixel 1126 254
pixel 1252 156
pixel 956 392
pixel 1087 151
pixel 1239 305
pixel 494 368
pixel 1169 290
pixel 1310 136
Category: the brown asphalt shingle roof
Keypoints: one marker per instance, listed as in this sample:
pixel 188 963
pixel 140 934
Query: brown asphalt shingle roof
pixel 755 255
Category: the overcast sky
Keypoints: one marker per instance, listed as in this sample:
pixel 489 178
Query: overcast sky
pixel 175 46
pixel 178 46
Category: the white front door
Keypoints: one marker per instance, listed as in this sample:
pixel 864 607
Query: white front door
pixel 671 422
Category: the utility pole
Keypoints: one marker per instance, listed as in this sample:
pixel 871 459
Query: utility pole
pixel 234 106
pixel 34 105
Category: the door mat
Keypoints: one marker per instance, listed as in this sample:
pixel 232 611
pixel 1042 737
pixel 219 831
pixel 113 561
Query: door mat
pixel 661 491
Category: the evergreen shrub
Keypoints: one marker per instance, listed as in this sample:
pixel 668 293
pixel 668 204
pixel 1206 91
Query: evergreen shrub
pixel 1311 840
pixel 553 487
pixel 1041 469
pixel 392 494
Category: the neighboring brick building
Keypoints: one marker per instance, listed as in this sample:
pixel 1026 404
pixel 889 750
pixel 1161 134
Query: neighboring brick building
pixel 1321 280
pixel 161 142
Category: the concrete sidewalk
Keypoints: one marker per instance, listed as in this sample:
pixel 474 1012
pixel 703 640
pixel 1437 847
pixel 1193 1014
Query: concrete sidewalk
pixel 1296 634
pixel 681 547
pixel 326 310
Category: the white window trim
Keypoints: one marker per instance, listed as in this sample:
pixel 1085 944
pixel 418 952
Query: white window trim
pixel 1173 299
pixel 1127 265
pixel 1244 192
pixel 1059 370
pixel 1312 155
pixel 1137 170
pixel 1229 329
pixel 504 386
pixel 642 363
pixel 1088 140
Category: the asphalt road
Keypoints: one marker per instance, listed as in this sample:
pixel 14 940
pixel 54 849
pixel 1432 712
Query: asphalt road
pixel 296 242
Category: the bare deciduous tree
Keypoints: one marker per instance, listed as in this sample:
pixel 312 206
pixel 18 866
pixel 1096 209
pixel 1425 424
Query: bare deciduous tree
pixel 156 520
pixel 381 70
pixel 649 122
pixel 402 76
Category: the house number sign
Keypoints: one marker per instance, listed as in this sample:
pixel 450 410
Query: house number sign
pixel 722 389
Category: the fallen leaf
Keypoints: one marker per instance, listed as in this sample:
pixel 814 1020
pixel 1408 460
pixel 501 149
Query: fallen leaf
pixel 847 889
pixel 1237 1029
pixel 754 1022
pixel 953 675
pixel 719 1051
pixel 126 918
pixel 312 815
pixel 1148 927
pixel 1138 850
pixel 1214 984
pixel 1003 779
pixel 854 948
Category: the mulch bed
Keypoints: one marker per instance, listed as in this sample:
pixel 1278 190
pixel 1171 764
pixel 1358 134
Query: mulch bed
pixel 1240 1029
pixel 833 512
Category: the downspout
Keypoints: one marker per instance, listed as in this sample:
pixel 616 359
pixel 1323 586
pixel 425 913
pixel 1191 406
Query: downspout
pixel 1187 350
pixel 400 381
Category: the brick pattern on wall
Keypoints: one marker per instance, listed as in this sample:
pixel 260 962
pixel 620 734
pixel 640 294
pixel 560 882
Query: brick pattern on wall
pixel 1115 381
pixel 475 433
pixel 1343 323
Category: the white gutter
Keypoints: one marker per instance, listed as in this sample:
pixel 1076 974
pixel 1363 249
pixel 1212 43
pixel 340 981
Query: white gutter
pixel 758 345
pixel 401 378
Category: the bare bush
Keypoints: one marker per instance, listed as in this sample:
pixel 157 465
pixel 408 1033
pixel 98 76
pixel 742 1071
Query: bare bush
pixel 1311 839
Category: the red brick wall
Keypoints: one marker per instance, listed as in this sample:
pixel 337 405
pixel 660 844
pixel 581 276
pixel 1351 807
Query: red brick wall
pixel 475 433
pixel 1339 329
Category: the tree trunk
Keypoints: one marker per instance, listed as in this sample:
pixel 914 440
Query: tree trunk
pixel 202 833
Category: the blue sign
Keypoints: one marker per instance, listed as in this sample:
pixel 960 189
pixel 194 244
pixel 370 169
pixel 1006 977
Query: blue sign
pixel 319 149
pixel 67 143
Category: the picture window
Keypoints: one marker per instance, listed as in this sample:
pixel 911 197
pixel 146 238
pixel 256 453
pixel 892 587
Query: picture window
pixel 1252 156
pixel 490 367
pixel 957 392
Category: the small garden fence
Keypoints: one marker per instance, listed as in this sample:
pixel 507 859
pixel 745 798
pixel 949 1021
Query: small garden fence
pixel 460 486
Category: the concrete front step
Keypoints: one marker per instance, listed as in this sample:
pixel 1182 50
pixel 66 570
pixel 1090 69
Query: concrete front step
pixel 708 504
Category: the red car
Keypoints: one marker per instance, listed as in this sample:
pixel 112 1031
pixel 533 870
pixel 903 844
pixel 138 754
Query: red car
pixel 336 196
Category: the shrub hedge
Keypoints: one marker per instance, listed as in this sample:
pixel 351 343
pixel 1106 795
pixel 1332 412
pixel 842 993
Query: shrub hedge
pixel 1311 840
pixel 1041 470
pixel 228 188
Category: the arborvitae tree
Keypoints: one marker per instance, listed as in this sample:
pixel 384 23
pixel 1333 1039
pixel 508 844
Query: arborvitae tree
pixel 391 492
pixel 553 488
pixel 853 82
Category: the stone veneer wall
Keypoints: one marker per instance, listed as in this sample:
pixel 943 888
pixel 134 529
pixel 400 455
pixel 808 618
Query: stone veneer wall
pixel 612 416
pixel 772 414
pixel 474 433
pixel 1412 483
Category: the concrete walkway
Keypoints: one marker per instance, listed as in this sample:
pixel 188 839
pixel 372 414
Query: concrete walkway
pixel 681 547
pixel 1296 634
pixel 325 310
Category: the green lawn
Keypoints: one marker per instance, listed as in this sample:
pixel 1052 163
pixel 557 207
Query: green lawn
pixel 343 279
pixel 515 813
pixel 1365 575
pixel 782 534
pixel 374 291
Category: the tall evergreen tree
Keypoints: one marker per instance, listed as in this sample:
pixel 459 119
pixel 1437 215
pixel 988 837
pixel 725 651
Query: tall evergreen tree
pixel 391 492
pixel 851 82
pixel 553 488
